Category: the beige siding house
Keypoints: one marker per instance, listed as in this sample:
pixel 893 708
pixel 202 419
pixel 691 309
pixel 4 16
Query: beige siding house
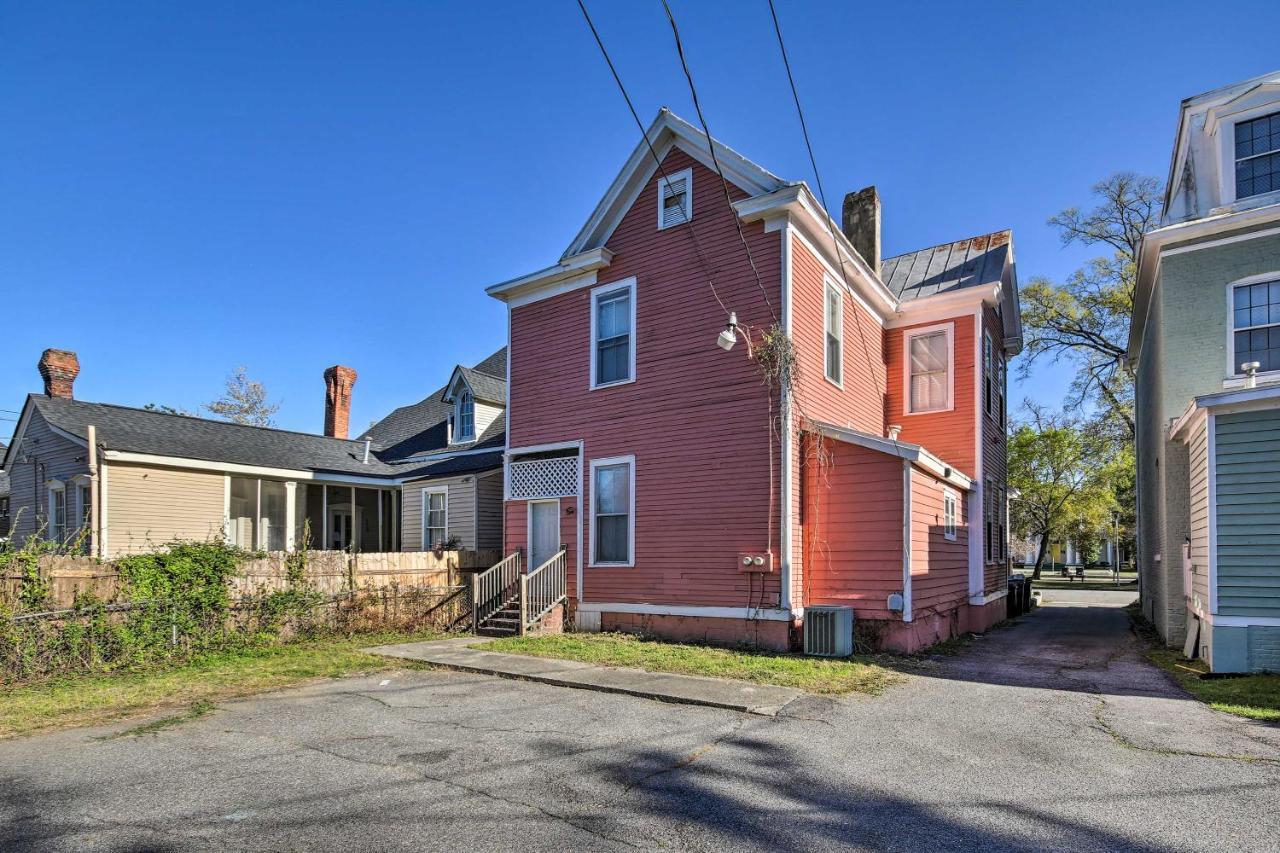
pixel 117 480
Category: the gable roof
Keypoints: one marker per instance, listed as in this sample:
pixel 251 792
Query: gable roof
pixel 667 131
pixel 422 427
pixel 485 388
pixel 131 430
pixel 973 262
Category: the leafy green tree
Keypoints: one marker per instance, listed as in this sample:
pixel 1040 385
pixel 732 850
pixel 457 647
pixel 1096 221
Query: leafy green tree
pixel 1086 318
pixel 1062 480
pixel 244 402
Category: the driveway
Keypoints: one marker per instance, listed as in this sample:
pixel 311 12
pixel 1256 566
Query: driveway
pixel 1051 734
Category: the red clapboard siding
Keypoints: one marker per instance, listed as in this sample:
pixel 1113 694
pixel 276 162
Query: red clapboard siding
pixel 939 566
pixel 853 530
pixel 696 418
pixel 947 435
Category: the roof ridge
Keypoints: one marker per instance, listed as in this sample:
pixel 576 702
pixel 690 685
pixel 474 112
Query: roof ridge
pixel 949 243
pixel 189 417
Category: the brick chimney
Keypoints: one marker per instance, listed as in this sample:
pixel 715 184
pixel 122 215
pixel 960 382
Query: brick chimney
pixel 59 369
pixel 338 382
pixel 861 224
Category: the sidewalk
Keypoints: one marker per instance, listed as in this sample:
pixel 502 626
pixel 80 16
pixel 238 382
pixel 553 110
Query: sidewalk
pixel 468 655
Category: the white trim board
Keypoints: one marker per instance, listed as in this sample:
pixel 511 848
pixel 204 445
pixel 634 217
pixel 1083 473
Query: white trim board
pixel 904 450
pixel 768 614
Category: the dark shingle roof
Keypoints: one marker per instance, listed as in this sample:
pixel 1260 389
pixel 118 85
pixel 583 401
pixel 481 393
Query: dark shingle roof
pixel 421 427
pixel 485 388
pixel 453 466
pixel 951 266
pixel 142 431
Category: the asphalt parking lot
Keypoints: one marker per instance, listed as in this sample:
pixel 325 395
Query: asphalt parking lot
pixel 1050 734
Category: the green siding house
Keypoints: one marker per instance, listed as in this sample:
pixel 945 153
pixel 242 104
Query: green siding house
pixel 1205 349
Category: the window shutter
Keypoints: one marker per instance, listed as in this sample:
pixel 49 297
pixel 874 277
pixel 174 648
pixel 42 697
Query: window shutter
pixel 675 197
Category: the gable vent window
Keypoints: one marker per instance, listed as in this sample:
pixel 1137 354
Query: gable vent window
pixel 1258 156
pixel 675 198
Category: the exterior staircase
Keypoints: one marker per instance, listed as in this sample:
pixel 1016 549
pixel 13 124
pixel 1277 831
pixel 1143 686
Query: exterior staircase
pixel 506 602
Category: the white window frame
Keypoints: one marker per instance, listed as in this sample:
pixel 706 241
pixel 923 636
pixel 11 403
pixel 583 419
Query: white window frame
pixel 1233 369
pixel 988 522
pixel 663 186
pixel 628 284
pixel 828 288
pixel 924 331
pixel 988 377
pixel 427 544
pixel 463 396
pixel 630 461
pixel 56 487
pixel 950 514
pixel 1225 130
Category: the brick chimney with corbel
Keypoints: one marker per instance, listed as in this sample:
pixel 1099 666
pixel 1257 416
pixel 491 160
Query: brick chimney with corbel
pixel 59 369
pixel 338 382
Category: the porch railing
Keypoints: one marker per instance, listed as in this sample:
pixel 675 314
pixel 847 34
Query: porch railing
pixel 493 588
pixel 541 590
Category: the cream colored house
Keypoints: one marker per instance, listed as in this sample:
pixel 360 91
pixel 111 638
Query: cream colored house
pixel 120 480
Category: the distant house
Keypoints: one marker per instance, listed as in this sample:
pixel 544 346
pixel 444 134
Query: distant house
pixel 121 480
pixel 693 500
pixel 1205 343
pixel 4 498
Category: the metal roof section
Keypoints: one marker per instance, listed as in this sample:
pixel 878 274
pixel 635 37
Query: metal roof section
pixel 972 262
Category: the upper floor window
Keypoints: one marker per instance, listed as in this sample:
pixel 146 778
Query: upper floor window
pixel 613 322
pixel 1258 155
pixel 988 371
pixel 465 416
pixel 675 198
pixel 1255 326
pixel 929 370
pixel 949 514
pixel 833 326
pixel 1002 387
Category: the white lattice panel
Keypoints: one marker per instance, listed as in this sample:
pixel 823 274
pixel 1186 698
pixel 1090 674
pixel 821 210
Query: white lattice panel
pixel 543 478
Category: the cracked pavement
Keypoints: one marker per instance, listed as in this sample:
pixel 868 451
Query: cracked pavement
pixel 1053 734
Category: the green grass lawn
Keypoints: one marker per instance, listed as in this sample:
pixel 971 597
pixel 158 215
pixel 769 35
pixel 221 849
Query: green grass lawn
pixel 1253 696
pixel 815 675
pixel 95 699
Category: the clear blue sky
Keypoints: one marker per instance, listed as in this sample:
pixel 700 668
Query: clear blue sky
pixel 187 187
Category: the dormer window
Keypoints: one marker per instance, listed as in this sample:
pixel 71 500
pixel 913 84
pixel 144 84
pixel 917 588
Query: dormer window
pixel 464 416
pixel 675 198
pixel 1258 155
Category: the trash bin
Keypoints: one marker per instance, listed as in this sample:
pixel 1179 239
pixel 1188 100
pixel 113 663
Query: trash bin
pixel 1017 587
pixel 1028 596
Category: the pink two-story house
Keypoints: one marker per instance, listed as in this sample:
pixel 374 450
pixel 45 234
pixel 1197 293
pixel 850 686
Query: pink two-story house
pixel 694 500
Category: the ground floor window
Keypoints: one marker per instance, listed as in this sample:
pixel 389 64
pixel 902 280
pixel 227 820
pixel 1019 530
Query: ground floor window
pixel 612 511
pixel 949 514
pixel 435 517
pixel 57 512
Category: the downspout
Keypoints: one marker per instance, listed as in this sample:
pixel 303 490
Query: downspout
pixel 95 492
pixel 906 540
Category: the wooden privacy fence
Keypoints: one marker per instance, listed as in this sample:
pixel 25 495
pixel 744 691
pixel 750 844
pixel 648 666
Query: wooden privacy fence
pixel 329 573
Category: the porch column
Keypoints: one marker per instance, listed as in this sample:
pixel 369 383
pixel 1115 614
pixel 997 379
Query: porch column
pixel 324 518
pixel 354 544
pixel 290 515
pixel 381 540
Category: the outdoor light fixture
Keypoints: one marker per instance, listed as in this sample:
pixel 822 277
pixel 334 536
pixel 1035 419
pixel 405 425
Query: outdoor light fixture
pixel 1250 369
pixel 729 336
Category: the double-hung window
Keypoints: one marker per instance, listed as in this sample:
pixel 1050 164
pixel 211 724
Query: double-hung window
pixel 1002 388
pixel 1258 156
pixel 435 517
pixel 466 416
pixel 1255 326
pixel 929 370
pixel 833 329
pixel 949 514
pixel 675 198
pixel 613 511
pixel 613 337
pixel 57 512
pixel 987 371
pixel 988 520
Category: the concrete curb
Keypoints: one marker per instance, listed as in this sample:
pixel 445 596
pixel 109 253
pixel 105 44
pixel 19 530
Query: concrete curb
pixel 462 655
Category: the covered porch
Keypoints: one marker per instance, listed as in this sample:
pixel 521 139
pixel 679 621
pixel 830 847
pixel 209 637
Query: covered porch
pixel 288 515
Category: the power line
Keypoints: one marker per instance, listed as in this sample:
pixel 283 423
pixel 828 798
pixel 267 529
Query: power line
pixel 617 78
pixel 813 161
pixel 715 161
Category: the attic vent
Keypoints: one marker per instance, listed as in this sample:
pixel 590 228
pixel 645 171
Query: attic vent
pixel 675 199
pixel 828 631
pixel 556 477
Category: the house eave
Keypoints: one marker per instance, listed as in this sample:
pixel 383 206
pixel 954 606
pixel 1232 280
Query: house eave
pixel 913 453
pixel 568 268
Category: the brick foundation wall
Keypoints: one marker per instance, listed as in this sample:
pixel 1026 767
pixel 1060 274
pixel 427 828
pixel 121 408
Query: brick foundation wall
pixel 757 633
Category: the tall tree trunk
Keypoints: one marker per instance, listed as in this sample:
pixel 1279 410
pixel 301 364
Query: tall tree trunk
pixel 1044 547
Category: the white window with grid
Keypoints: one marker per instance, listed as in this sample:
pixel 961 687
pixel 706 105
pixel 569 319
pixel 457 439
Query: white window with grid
pixel 531 479
pixel 1255 325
